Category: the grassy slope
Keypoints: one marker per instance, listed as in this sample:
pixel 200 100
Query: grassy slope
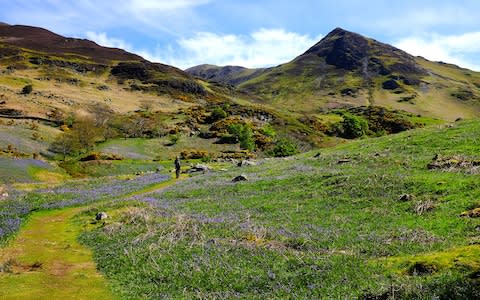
pixel 304 85
pixel 308 227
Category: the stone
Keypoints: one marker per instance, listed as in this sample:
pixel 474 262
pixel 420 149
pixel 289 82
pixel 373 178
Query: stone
pixel 390 84
pixel 406 197
pixel 199 168
pixel 245 163
pixel 3 193
pixel 101 216
pixel 240 178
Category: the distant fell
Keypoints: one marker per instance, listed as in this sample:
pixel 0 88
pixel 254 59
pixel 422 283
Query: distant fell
pixel 43 40
pixel 346 69
pixel 228 75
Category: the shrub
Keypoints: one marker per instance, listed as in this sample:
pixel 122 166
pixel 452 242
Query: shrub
pixel 27 89
pixel 174 138
pixel 268 130
pixel 217 114
pixel 353 126
pixel 283 147
pixel 244 134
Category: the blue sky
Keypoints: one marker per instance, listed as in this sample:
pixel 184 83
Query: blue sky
pixel 258 33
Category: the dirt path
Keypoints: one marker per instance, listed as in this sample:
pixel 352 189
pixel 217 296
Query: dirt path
pixel 45 261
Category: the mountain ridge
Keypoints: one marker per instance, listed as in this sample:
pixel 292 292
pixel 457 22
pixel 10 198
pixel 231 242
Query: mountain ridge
pixel 40 39
pixel 346 69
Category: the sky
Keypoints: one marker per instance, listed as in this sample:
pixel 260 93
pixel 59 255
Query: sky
pixel 256 33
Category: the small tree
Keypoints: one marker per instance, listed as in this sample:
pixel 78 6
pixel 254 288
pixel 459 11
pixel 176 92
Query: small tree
pixel 86 133
pixel 66 144
pixel 27 89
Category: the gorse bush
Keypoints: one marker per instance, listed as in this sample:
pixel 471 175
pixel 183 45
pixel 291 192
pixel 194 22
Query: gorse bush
pixel 283 147
pixel 268 130
pixel 218 113
pixel 353 126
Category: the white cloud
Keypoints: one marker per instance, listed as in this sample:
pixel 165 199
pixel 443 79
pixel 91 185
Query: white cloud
pixel 264 47
pixel 456 49
pixel 102 39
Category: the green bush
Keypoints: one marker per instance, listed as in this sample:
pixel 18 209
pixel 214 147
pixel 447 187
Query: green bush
pixel 268 130
pixel 353 126
pixel 174 138
pixel 218 113
pixel 284 147
pixel 244 134
pixel 27 89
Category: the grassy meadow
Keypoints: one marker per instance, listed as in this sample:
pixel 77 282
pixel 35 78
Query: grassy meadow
pixel 367 219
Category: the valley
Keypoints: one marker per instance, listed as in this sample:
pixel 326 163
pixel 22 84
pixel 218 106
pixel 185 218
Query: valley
pixel 350 172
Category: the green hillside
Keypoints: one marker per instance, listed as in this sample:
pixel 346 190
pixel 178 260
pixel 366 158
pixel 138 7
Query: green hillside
pixel 390 217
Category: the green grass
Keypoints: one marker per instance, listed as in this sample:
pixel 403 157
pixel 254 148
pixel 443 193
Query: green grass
pixel 159 148
pixel 47 262
pixel 308 227
pixel 99 168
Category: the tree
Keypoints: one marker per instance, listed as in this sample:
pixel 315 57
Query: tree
pixel 86 133
pixel 102 113
pixel 66 144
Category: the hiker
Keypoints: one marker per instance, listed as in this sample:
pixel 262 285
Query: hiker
pixel 177 167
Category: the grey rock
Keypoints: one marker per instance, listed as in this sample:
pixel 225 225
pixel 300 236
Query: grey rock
pixel 406 197
pixel 245 163
pixel 240 178
pixel 101 216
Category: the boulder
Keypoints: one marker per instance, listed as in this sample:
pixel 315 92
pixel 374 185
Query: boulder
pixel 101 216
pixel 199 168
pixel 406 197
pixel 245 163
pixel 3 193
pixel 240 178
pixel 390 84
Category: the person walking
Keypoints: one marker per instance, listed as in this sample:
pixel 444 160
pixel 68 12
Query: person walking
pixel 177 167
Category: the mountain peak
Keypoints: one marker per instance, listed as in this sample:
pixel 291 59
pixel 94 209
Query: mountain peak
pixel 351 51
pixel 342 48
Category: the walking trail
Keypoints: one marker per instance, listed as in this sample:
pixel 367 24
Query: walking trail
pixel 45 261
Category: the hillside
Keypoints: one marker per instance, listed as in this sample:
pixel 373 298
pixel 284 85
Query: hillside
pixel 48 81
pixel 394 217
pixel 346 69
pixel 232 75
pixel 49 84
